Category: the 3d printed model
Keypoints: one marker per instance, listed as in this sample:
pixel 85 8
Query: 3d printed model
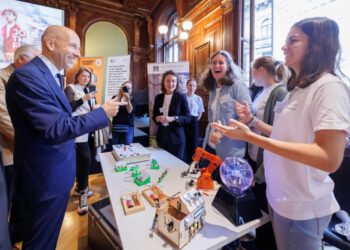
pixel 204 181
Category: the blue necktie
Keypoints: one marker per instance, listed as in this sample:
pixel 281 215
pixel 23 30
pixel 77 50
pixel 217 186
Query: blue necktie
pixel 60 79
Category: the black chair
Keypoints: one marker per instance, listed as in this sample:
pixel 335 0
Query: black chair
pixel 341 179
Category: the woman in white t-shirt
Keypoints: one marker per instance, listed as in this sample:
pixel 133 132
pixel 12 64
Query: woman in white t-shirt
pixel 196 107
pixel 308 136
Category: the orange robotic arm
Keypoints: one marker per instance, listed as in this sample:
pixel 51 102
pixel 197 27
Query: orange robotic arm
pixel 205 181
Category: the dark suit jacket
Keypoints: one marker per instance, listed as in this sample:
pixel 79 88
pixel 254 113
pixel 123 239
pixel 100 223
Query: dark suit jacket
pixel 44 153
pixel 4 229
pixel 173 134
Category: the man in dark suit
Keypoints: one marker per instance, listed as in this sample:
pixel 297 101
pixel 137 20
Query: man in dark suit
pixel 4 231
pixel 44 154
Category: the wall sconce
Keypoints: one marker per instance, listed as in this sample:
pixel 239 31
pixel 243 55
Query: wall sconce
pixel 182 35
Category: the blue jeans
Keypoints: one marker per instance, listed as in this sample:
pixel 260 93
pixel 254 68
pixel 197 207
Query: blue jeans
pixel 298 234
pixel 123 137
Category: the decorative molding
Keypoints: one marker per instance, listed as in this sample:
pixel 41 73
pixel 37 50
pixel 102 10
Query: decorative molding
pixel 103 9
pixel 202 9
pixel 73 7
pixel 226 5
pixel 216 20
pixel 52 3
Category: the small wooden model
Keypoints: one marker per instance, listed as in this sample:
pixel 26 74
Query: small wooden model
pixel 132 203
pixel 181 217
pixel 153 195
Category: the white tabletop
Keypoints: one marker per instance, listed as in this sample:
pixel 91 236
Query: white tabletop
pixel 134 230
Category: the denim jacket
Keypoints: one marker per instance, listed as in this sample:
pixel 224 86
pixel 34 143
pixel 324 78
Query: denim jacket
pixel 225 110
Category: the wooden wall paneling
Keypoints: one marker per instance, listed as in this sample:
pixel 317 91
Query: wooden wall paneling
pixel 229 24
pixel 214 34
pixel 193 42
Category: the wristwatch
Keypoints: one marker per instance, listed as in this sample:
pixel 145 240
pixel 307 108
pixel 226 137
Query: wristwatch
pixel 176 118
pixel 253 122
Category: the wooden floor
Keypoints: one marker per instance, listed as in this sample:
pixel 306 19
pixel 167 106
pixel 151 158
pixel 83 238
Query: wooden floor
pixel 75 227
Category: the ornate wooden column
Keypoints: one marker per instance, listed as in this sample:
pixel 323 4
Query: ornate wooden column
pixel 139 55
pixel 72 14
pixel 228 23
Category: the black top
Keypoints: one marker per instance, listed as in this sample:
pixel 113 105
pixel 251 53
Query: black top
pixel 123 117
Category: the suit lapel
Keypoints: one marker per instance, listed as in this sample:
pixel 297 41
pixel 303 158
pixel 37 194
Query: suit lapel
pixel 52 83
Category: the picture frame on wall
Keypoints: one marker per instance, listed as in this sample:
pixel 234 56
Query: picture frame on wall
pixel 201 59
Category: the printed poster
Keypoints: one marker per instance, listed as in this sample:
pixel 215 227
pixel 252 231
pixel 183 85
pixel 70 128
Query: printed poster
pixel 118 72
pixel 24 23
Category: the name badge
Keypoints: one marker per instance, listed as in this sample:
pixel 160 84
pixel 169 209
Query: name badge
pixel 161 109
pixel 224 98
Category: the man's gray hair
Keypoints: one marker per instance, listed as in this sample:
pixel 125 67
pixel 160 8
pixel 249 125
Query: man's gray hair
pixel 25 49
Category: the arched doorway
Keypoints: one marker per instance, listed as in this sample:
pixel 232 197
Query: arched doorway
pixel 105 39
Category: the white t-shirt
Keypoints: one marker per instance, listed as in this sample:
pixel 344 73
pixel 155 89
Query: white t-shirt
pixel 259 104
pixel 295 190
pixel 166 105
pixel 195 104
pixel 213 108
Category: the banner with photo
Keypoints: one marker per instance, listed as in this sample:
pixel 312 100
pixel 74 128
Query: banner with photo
pixel 24 23
pixel 118 72
pixel 155 72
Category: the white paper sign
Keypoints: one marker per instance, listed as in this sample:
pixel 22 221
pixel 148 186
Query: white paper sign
pixel 118 71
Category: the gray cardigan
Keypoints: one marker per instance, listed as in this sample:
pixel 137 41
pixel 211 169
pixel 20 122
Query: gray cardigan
pixel 277 95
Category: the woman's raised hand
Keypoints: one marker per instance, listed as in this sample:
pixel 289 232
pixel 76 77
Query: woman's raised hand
pixel 236 130
pixel 243 111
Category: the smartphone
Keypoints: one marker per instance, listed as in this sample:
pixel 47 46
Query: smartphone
pixel 125 89
pixel 92 88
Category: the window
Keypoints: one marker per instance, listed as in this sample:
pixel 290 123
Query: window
pixel 172 47
pixel 245 41
pixel 260 29
pixel 272 20
pixel 266 28
pixel 286 14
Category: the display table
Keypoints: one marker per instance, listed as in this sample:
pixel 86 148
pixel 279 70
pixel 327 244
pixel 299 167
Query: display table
pixel 134 230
